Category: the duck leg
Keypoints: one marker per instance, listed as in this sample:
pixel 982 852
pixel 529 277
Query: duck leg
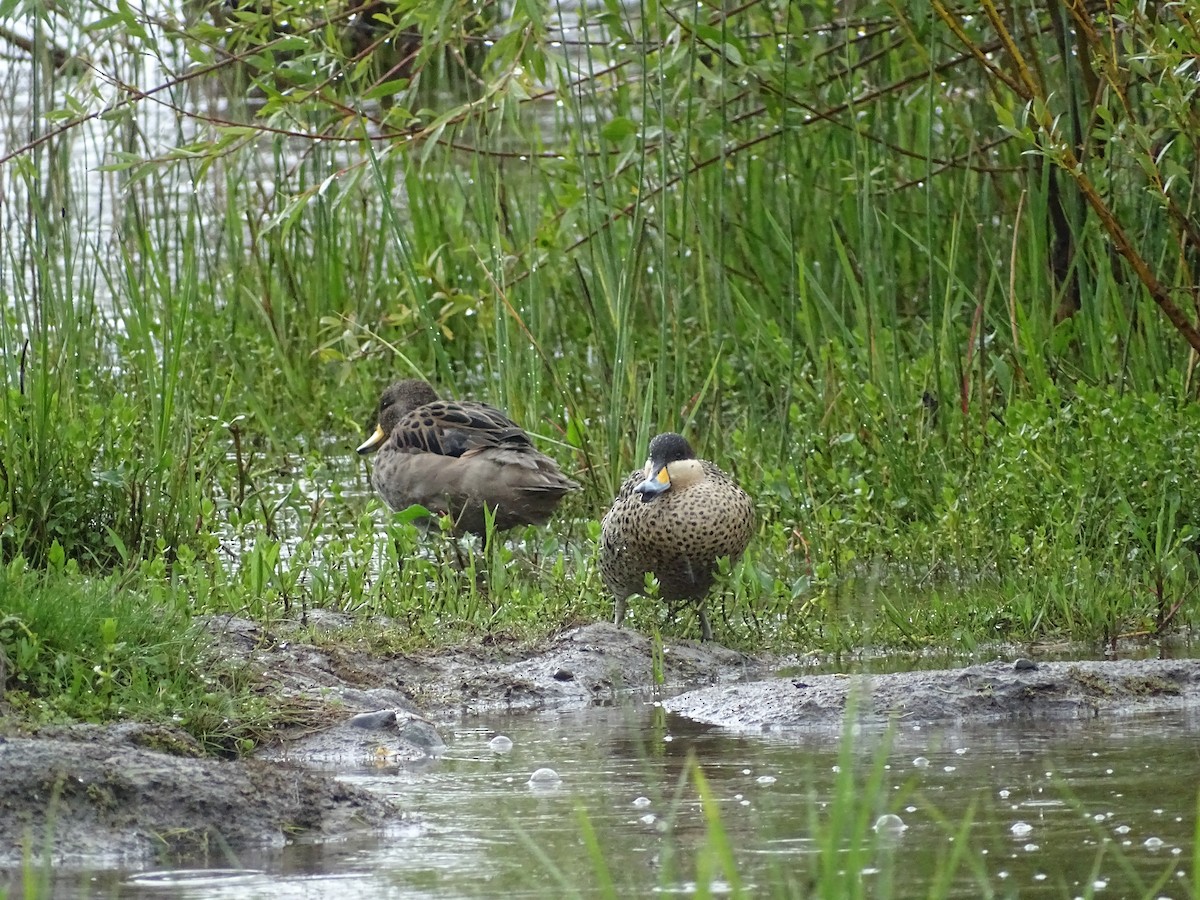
pixel 705 627
pixel 619 612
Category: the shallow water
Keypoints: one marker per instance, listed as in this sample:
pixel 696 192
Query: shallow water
pixel 1060 809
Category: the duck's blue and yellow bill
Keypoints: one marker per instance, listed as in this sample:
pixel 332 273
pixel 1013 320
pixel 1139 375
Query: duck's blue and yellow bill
pixel 656 484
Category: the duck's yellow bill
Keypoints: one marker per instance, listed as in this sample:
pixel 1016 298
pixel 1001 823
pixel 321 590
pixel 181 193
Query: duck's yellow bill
pixel 373 441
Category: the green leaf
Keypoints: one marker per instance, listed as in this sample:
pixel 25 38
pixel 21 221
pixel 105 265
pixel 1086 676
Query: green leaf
pixel 619 129
pixel 387 89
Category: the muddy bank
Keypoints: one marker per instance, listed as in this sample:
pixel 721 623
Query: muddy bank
pixel 391 705
pixel 587 664
pixel 130 793
pixel 976 694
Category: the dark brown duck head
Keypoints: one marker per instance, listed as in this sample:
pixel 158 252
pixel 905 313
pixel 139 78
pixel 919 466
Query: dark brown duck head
pixel 396 402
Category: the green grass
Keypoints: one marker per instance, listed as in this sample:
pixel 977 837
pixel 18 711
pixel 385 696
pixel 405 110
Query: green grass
pixel 840 259
pixel 95 650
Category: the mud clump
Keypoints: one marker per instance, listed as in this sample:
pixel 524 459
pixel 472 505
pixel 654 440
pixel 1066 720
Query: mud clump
pixel 990 692
pixel 96 792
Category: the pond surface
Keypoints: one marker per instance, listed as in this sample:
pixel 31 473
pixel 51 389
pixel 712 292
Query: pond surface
pixel 1062 809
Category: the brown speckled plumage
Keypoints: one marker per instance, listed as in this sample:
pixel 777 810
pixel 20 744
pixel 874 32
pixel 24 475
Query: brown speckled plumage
pixel 676 525
pixel 456 456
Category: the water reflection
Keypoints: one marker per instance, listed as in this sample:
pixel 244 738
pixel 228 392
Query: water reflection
pixel 1035 809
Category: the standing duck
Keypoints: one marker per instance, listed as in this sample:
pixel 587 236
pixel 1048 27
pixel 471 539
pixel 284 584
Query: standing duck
pixel 674 518
pixel 455 457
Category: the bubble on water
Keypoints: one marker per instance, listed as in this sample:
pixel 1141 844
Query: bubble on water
pixel 1039 876
pixel 889 823
pixel 500 744
pixel 949 768
pixel 1004 793
pixel 544 777
pixel 648 819
pixel 1020 829
pixel 766 779
pixel 961 750
pixel 1100 884
pixel 667 738
pixel 836 768
pixel 1153 843
pixel 921 762
pixel 1099 817
pixel 641 802
pixel 1030 848
pixel 1122 829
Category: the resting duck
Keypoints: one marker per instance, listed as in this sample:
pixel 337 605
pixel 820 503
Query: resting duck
pixel 455 457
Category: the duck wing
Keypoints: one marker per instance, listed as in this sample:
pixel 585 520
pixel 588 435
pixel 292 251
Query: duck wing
pixel 458 428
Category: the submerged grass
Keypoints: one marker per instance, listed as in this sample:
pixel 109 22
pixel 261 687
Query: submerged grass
pixel 851 261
